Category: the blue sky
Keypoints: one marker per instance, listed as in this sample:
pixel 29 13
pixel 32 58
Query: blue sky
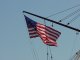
pixel 15 43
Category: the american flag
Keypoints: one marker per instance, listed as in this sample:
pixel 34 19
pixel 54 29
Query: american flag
pixel 46 33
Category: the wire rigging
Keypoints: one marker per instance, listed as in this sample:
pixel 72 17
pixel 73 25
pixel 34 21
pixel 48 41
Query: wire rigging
pixel 50 53
pixel 64 10
pixel 71 14
pixel 32 48
pixel 47 53
pixel 74 57
pixel 34 51
pixel 73 19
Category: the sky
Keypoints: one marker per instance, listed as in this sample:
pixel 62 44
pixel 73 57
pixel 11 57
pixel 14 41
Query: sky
pixel 15 43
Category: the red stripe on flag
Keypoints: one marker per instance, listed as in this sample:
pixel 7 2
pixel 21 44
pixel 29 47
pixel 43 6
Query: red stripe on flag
pixel 49 30
pixel 43 31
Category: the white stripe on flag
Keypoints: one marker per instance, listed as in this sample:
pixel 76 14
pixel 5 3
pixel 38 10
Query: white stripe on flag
pixel 32 28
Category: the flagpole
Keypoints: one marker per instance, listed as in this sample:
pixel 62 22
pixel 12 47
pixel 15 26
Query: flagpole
pixel 78 30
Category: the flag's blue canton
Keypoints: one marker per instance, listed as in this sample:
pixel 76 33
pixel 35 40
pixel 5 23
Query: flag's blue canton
pixel 31 27
pixel 29 22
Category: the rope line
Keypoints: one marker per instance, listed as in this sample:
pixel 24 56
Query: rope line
pixel 50 53
pixel 71 14
pixel 73 19
pixel 34 55
pixel 34 51
pixel 47 53
pixel 64 10
pixel 74 57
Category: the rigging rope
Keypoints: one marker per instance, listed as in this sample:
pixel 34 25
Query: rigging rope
pixel 73 19
pixel 71 14
pixel 49 50
pixel 50 53
pixel 34 51
pixel 34 54
pixel 47 53
pixel 73 48
pixel 64 10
